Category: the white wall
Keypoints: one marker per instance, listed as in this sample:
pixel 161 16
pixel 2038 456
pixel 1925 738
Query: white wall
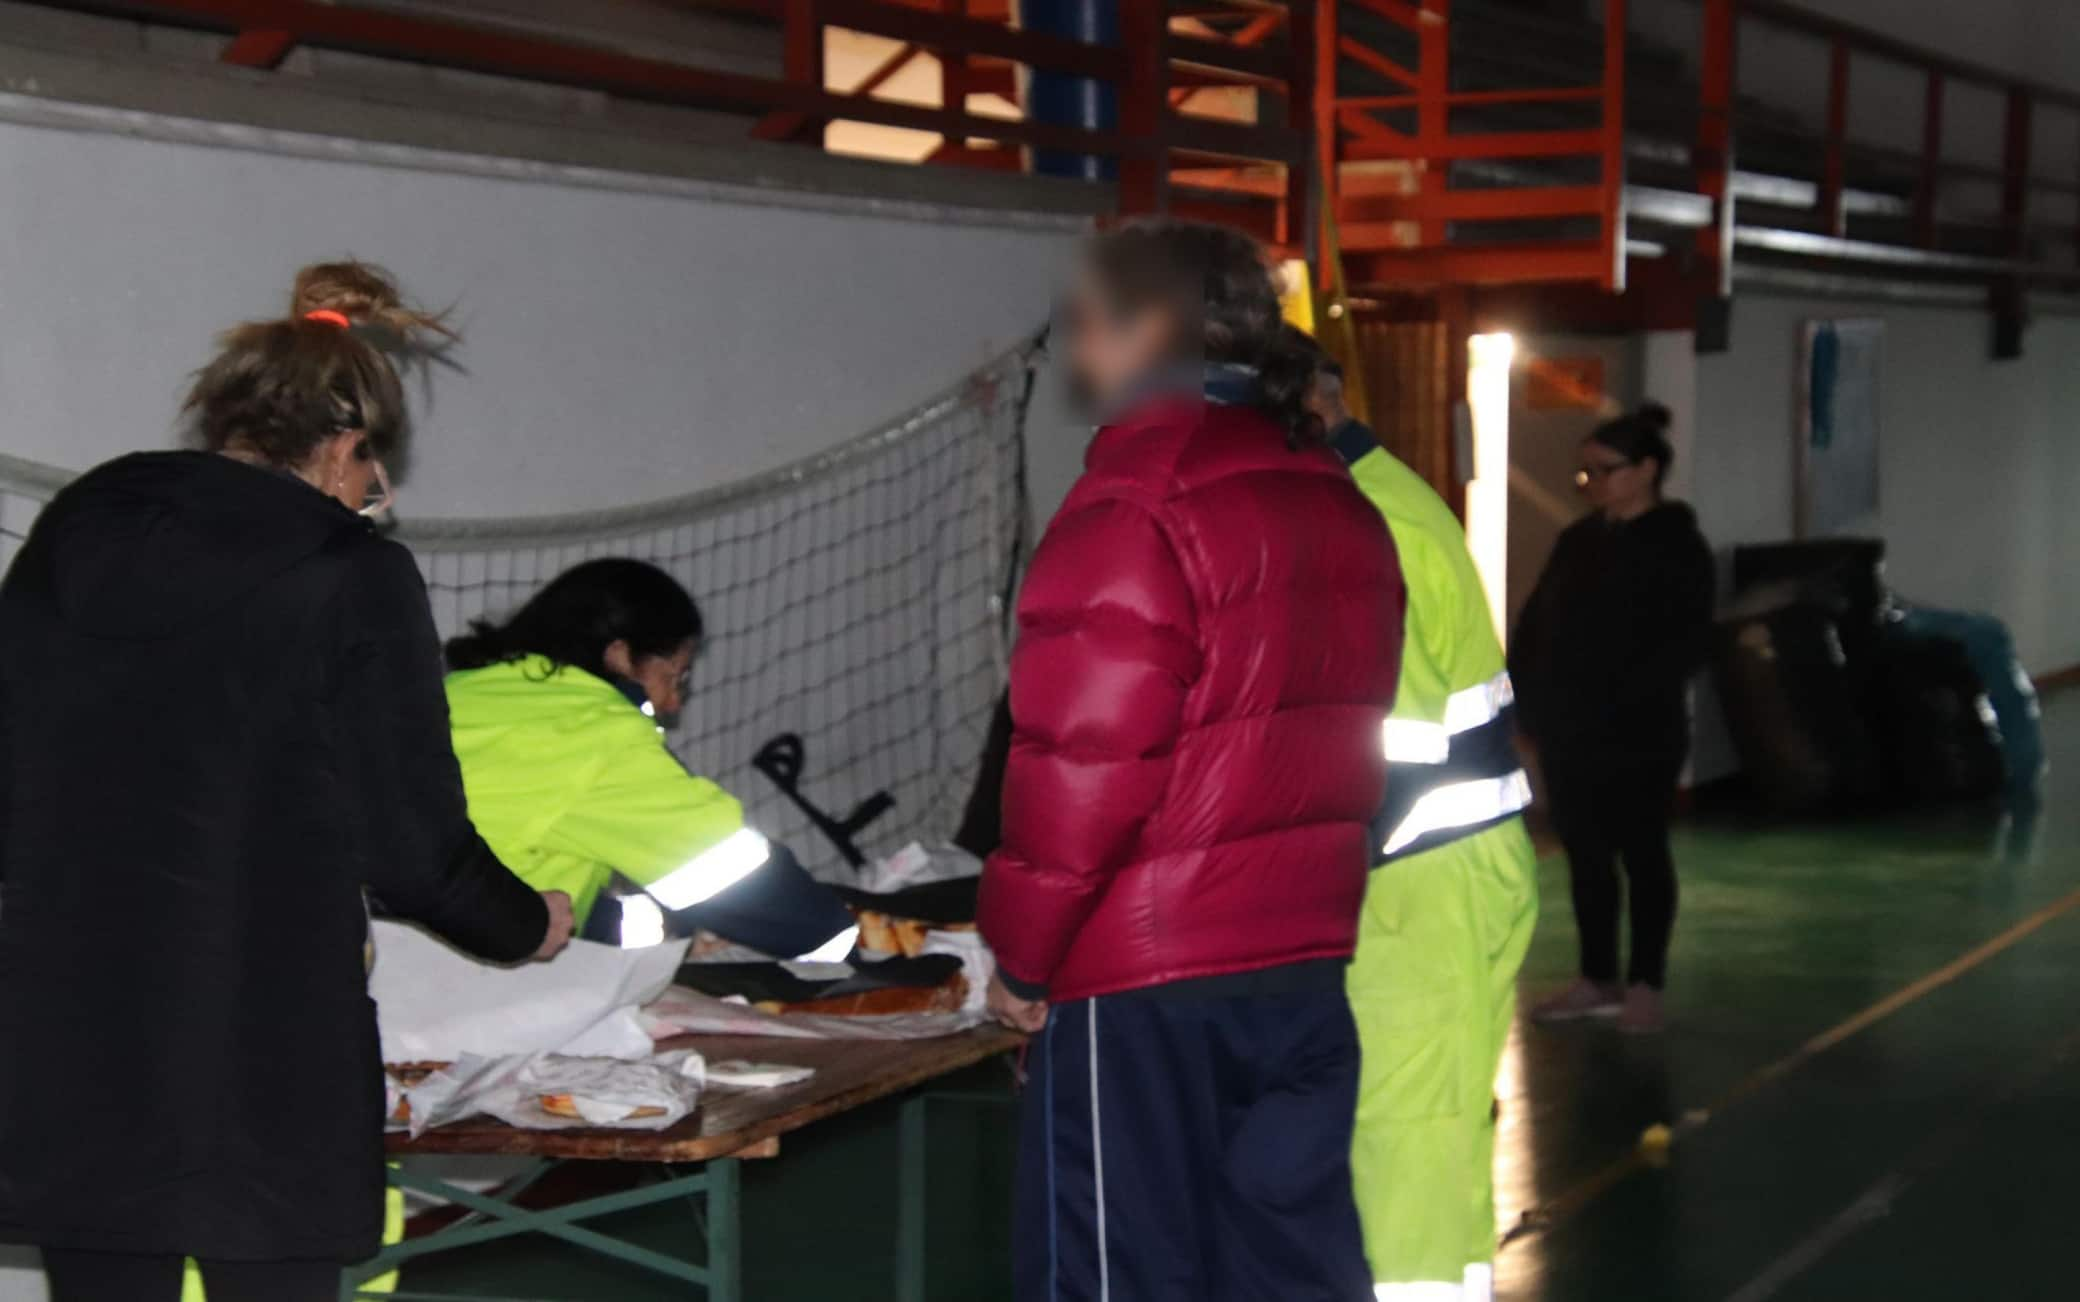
pixel 621 345
pixel 1979 460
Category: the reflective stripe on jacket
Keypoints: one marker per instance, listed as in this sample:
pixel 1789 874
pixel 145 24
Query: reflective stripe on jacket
pixel 570 783
pixel 1452 765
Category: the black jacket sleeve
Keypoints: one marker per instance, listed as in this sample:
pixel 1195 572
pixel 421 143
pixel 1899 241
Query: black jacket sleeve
pixel 422 858
pixel 1527 651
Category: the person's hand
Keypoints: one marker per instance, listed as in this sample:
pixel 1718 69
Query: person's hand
pixel 1028 1015
pixel 560 924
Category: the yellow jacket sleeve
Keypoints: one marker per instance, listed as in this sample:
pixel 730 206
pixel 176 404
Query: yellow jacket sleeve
pixel 642 812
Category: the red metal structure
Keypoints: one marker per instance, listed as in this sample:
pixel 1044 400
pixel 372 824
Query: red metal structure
pixel 1430 178
pixel 1396 225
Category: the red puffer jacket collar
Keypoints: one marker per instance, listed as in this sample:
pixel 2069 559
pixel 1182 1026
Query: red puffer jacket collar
pixel 1208 644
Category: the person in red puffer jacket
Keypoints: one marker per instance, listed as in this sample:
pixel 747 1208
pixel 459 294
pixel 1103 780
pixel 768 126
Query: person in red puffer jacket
pixel 1208 644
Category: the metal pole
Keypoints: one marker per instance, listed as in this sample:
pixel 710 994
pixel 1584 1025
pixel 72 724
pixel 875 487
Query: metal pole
pixel 1328 170
pixel 1927 194
pixel 1061 99
pixel 911 1236
pixel 725 1231
pixel 1834 169
pixel 1614 32
pixel 1433 111
pixel 1718 80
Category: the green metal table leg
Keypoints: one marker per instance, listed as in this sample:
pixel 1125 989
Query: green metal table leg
pixel 725 1231
pixel 910 1200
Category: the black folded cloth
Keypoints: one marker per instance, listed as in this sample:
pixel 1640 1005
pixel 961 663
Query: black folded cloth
pixel 942 904
pixel 760 982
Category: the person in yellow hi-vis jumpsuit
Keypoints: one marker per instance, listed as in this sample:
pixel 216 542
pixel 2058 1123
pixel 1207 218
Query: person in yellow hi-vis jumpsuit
pixel 1449 910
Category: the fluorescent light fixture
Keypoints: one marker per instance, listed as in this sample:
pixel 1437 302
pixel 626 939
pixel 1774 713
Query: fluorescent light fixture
pixel 1488 361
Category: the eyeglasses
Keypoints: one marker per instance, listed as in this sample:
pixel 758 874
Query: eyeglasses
pixel 1596 474
pixel 381 497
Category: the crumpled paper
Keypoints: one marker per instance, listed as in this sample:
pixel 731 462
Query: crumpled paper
pixel 915 865
pixel 604 1091
pixel 978 963
pixel 436 1004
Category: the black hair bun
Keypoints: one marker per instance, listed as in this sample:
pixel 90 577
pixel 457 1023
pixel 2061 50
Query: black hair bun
pixel 1654 416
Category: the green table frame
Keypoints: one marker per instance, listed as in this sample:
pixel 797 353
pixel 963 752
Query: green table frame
pixel 711 1189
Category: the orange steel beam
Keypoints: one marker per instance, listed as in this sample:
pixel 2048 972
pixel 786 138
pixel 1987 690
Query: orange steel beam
pixel 1228 60
pixel 1366 127
pixel 1379 63
pixel 1394 11
pixel 953 70
pixel 1433 114
pixel 1492 144
pixel 1252 33
pixel 1328 148
pixel 1477 265
pixel 1712 158
pixel 1466 98
pixel 802 60
pixel 259 47
pixel 1833 219
pixel 442 42
pixel 1258 183
pixel 1296 224
pixel 1214 139
pixel 1503 203
pixel 940 31
pixel 1259 220
pixel 1614 32
pixel 1144 98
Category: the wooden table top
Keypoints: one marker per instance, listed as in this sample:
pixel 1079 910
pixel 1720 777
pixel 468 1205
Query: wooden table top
pixel 849 1073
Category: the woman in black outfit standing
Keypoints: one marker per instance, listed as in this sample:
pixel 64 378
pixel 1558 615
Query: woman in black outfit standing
pixel 1601 660
pixel 221 722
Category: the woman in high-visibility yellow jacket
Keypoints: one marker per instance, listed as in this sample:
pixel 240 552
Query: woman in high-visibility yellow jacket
pixel 1449 911
pixel 558 720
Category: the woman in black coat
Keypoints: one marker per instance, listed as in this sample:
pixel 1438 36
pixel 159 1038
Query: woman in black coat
pixel 1601 661
pixel 221 722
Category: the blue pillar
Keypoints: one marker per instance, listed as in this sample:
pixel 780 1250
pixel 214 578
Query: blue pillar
pixel 1063 100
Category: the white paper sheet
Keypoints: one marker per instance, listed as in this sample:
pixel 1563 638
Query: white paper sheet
pixel 605 1091
pixel 435 1004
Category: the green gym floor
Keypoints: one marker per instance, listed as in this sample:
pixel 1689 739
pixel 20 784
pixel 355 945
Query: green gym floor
pixel 1872 1080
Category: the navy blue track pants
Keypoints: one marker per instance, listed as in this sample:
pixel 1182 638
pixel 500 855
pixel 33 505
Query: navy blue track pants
pixel 1191 1149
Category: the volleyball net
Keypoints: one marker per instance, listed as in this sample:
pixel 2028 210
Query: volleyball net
pixel 856 600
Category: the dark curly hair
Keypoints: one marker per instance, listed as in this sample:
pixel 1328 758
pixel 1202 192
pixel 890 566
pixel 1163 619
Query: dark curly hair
pixel 1219 280
pixel 1640 435
pixel 581 613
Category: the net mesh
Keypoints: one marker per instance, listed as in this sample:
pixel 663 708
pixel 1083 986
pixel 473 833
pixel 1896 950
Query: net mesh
pixel 856 599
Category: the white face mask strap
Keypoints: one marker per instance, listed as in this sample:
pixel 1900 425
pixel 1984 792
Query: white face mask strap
pixel 375 509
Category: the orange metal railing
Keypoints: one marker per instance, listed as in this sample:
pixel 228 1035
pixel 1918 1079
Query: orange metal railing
pixel 1396 224
pixel 1938 170
pixel 1393 168
pixel 1156 69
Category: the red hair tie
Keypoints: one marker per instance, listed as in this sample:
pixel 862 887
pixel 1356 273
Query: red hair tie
pixel 330 317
